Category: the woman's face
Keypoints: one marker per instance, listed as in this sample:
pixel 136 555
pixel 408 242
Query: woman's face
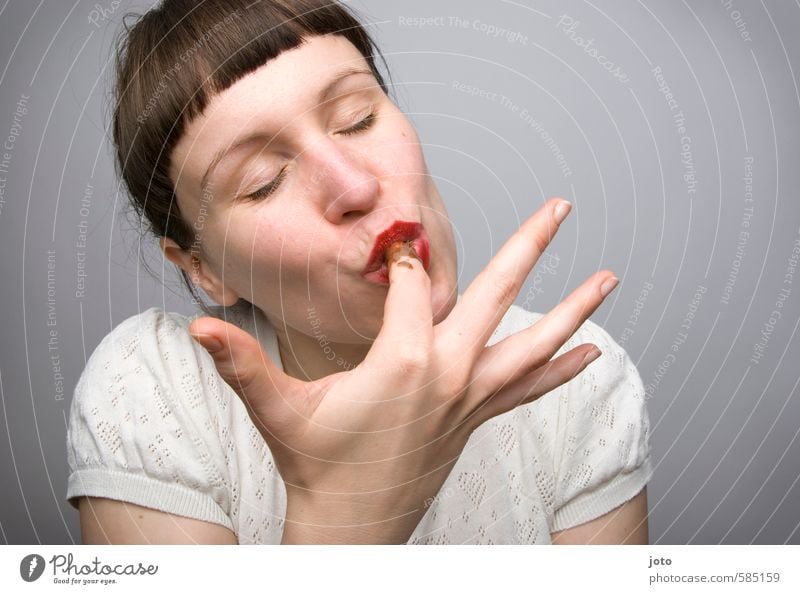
pixel 288 219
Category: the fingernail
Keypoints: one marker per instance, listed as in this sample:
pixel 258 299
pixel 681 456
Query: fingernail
pixel 592 355
pixel 562 210
pixel 401 252
pixel 609 285
pixel 208 342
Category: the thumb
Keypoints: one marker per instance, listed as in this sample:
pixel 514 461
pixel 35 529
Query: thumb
pixel 242 363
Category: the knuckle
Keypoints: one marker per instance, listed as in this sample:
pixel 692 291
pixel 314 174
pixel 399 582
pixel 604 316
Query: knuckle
pixel 245 385
pixel 242 379
pixel 411 363
pixel 456 383
pixel 541 238
pixel 455 377
pixel 536 357
pixel 505 287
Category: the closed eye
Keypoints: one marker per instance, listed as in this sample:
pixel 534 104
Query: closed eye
pixel 270 188
pixel 364 124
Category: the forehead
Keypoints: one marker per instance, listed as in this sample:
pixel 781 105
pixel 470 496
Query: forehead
pixel 279 91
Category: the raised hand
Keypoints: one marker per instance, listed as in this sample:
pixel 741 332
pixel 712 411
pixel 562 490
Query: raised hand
pixel 360 451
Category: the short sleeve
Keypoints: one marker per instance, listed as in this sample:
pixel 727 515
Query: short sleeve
pixel 141 428
pixel 602 451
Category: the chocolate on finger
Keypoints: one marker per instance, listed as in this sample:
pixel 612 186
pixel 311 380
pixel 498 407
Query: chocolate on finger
pixel 400 252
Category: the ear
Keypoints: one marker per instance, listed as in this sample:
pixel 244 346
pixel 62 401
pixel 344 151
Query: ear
pixel 198 272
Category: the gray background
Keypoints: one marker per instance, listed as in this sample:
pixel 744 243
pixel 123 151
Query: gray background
pixel 724 428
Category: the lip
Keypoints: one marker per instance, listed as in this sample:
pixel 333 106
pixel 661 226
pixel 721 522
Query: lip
pixel 376 270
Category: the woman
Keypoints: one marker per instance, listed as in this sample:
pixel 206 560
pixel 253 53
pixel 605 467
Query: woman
pixel 344 390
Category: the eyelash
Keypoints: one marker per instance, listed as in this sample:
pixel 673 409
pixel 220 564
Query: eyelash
pixel 270 188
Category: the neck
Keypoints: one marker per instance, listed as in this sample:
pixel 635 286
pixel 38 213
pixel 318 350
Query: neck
pixel 310 358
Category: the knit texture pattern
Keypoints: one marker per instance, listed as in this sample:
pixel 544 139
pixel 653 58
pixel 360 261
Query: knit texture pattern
pixel 152 423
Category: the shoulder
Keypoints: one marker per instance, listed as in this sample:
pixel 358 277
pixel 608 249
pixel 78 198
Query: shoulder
pixel 605 405
pixel 610 389
pixel 147 372
pixel 602 446
pixel 599 438
pixel 150 362
pixel 607 392
pixel 154 343
pixel 151 328
pixel 145 419
pixel 136 365
pixel 607 399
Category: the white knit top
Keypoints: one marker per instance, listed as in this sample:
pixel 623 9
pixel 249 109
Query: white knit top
pixel 152 423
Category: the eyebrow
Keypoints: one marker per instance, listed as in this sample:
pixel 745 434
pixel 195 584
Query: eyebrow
pixel 324 95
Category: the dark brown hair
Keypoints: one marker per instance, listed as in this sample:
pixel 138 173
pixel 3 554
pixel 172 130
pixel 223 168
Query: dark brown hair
pixel 176 57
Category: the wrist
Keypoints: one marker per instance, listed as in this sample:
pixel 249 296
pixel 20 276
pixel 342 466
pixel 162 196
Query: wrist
pixel 317 518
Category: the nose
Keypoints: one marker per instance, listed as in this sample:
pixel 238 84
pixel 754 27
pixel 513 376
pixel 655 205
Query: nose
pixel 344 180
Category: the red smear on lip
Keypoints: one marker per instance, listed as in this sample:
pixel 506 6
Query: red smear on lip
pixel 399 231
pixel 414 233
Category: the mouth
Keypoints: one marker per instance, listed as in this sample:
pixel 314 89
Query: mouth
pixel 376 269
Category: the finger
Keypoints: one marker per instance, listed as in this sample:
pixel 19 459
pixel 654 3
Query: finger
pixel 486 300
pixel 407 316
pixel 526 350
pixel 243 365
pixel 539 382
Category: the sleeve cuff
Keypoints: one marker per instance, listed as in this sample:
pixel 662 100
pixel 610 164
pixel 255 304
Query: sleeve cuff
pixel 147 492
pixel 593 504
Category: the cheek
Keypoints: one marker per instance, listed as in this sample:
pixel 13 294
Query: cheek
pixel 290 252
pixel 268 246
pixel 402 171
pixel 398 152
pixel 249 244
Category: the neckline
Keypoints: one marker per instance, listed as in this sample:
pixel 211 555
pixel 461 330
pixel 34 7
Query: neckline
pixel 252 320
